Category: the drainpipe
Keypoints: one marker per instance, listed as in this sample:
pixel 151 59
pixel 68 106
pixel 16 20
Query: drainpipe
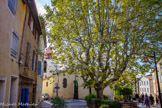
pixel 21 50
pixel 22 36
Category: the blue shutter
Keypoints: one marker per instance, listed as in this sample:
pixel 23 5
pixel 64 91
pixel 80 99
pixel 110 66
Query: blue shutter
pixel 22 97
pixel 39 67
pixel 27 96
pixel 12 5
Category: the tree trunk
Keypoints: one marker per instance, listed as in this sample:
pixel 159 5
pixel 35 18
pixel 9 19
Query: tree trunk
pixel 99 93
pixel 90 91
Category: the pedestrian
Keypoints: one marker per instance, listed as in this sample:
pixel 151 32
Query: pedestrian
pixel 129 98
pixel 142 98
pixel 151 99
pixel 157 99
pixel 147 101
pixel 137 98
pixel 134 96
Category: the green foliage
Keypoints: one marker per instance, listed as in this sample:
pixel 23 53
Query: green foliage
pixel 103 39
pixel 90 97
pixel 117 91
pixel 112 103
pixel 96 101
pixel 93 98
pixel 127 91
pixel 43 24
pixel 122 91
pixel 104 106
pixel 59 103
pixel 106 97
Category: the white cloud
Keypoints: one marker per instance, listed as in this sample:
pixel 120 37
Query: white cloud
pixel 40 8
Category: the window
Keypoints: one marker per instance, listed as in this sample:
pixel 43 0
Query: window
pixel 46 84
pixel 34 31
pixel 34 61
pixel 45 66
pixel 14 45
pixel 27 54
pixel 152 76
pixel 144 82
pixel 161 78
pixel 12 6
pixel 147 89
pixel 31 22
pixel 64 82
pixel 37 38
pixel 147 83
pixel 39 67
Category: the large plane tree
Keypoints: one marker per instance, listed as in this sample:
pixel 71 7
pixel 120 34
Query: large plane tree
pixel 101 39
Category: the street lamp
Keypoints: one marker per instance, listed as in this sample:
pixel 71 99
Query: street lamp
pixel 57 84
pixel 146 60
pixel 55 72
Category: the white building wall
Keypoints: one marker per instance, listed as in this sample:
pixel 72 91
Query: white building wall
pixel 50 69
pixel 144 86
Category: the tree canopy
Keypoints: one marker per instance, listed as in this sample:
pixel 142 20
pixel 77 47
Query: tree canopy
pixel 101 39
pixel 43 25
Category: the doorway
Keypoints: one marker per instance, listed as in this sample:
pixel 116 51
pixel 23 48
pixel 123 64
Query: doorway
pixel 24 97
pixel 75 89
pixel 2 91
pixel 13 90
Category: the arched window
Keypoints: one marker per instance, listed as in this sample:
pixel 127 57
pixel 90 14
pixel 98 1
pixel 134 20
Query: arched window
pixel 64 82
pixel 45 66
pixel 46 84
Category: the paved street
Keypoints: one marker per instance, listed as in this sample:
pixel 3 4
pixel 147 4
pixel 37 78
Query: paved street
pixel 79 104
pixel 70 104
pixel 76 103
pixel 45 104
pixel 144 106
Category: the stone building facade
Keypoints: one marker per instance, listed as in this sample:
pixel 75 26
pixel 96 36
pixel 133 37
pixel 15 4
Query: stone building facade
pixel 28 67
pixel 11 27
pixel 19 40
pixel 146 85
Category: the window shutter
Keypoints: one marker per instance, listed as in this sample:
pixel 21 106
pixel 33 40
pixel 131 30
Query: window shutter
pixel 29 20
pixel 27 54
pixel 14 45
pixel 12 5
pixel 39 67
pixel 33 61
pixel 32 24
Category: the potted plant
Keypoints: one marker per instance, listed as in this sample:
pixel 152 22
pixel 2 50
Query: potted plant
pixel 89 99
pixel 59 103
pixel 126 92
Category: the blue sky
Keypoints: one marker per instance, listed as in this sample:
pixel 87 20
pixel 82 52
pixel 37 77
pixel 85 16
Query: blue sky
pixel 40 8
pixel 40 5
